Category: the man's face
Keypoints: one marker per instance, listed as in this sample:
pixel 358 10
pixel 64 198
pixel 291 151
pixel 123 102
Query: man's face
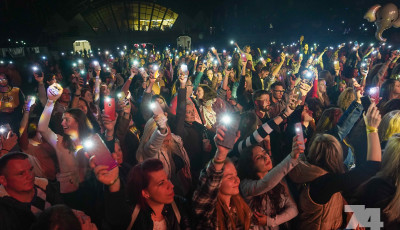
pixel 277 92
pixel 18 176
pixel 263 103
pixel 264 74
pixel 3 81
pixel 65 96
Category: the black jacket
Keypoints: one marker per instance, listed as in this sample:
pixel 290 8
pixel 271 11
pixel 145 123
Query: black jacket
pixel 119 213
pixel 15 215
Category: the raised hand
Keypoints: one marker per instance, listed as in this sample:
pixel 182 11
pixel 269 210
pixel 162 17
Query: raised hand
pixel 297 147
pixel 373 117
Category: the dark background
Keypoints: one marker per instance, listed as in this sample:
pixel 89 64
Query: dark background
pixel 57 23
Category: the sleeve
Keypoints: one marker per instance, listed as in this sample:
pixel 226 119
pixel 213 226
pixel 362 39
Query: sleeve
pixel 250 188
pixel 180 113
pixel 205 197
pixel 153 146
pixel 348 119
pixel 314 90
pixel 290 211
pixel 146 111
pixel 197 80
pixel 259 135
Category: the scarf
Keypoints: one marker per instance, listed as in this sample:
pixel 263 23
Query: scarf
pixel 239 214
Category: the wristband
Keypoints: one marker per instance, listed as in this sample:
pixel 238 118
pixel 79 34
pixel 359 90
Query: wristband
pixel 218 162
pixel 371 129
pixel 115 181
pixel 131 77
pixel 283 116
pixel 51 101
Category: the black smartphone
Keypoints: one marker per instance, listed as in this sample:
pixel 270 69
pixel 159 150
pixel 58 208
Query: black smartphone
pixel 231 123
pixel 366 102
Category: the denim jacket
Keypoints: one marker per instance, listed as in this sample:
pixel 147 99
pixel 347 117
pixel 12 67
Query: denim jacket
pixel 347 121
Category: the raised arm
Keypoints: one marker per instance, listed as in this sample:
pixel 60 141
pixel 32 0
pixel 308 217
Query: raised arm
pixel 43 126
pixel 41 89
pixel 251 188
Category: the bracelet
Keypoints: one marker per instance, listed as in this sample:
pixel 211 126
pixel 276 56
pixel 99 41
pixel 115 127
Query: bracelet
pixel 115 181
pixel 371 129
pixel 283 116
pixel 51 101
pixel 218 162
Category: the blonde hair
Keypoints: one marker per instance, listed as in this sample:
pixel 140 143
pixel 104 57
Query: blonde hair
pixel 385 123
pixel 326 153
pixel 346 98
pixel 391 169
pixel 394 126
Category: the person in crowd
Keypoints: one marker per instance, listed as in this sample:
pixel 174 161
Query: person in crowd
pixel 264 189
pixel 382 190
pixel 321 202
pixel 390 89
pixel 12 102
pixel 22 195
pixel 346 98
pixel 152 203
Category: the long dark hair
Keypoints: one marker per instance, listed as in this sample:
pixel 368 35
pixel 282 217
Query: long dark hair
pixel 139 179
pixel 91 117
pixel 84 129
pixel 209 93
pixel 246 170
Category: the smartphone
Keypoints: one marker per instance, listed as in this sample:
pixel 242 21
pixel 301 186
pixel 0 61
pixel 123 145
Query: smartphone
pixel 366 102
pixel 4 130
pixel 244 57
pixel 31 101
pixel 156 108
pixel 94 145
pixel 299 131
pixel 124 98
pixel 231 123
pixel 184 68
pixel 109 107
pixel 374 94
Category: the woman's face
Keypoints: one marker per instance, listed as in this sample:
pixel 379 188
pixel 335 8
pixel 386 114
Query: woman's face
pixel 396 90
pixel 200 93
pixel 88 97
pixel 190 113
pixel 230 181
pixel 261 160
pixel 117 154
pixel 70 125
pixel 322 86
pixel 307 114
pixel 342 86
pixel 160 189
pixel 82 106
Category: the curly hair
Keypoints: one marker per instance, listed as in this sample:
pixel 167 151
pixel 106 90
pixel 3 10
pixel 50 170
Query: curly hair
pixel 346 98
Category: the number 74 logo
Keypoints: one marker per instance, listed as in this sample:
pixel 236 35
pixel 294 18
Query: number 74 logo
pixel 364 217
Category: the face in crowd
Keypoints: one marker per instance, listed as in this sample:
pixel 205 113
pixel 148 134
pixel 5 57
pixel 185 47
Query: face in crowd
pixel 263 103
pixel 277 92
pixel 160 189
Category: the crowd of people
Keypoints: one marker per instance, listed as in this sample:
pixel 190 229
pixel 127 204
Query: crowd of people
pixel 245 138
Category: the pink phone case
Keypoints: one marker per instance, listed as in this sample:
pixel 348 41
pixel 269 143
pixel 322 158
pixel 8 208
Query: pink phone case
pixel 299 131
pixel 101 153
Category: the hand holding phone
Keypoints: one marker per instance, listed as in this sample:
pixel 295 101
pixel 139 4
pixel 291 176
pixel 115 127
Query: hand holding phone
pixel 54 91
pixel 109 108
pixel 231 123
pixel 299 132
pixel 95 146
pixel 156 108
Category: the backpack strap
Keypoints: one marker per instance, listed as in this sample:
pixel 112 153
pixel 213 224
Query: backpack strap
pixel 135 213
pixel 176 211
